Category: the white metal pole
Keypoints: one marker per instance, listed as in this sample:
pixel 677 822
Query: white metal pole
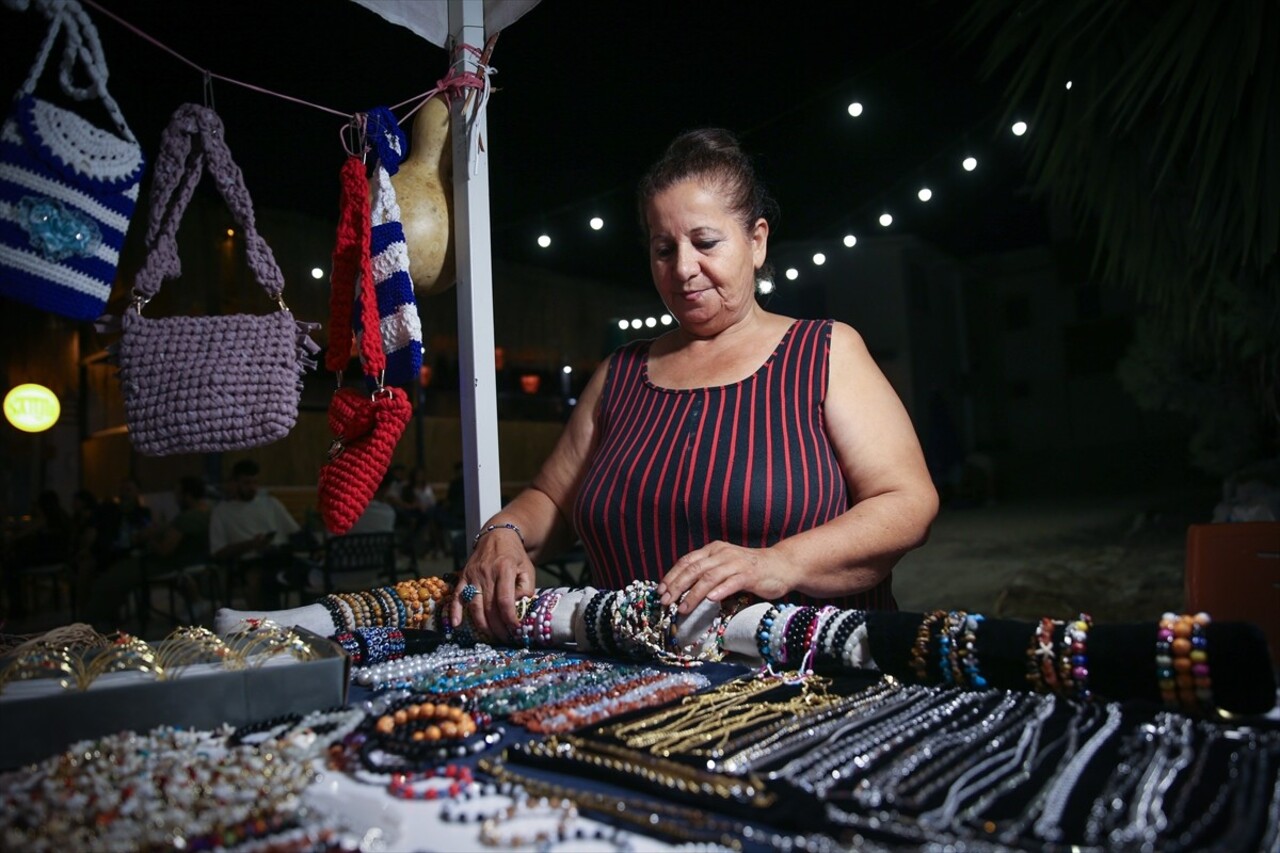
pixel 478 388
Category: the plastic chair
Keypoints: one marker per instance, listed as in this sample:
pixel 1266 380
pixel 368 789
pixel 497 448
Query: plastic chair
pixel 1233 574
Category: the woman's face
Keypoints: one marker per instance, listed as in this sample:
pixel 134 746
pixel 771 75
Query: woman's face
pixel 702 261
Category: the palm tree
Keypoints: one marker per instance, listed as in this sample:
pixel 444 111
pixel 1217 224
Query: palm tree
pixel 1156 126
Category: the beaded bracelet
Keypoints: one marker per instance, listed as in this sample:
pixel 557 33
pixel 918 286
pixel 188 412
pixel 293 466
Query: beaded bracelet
pixel 796 634
pixel 335 613
pixel 969 654
pixel 608 637
pixel 492 527
pixel 536 624
pixel 457 778
pixel 1075 660
pixel 764 634
pixel 949 635
pixel 591 620
pixel 778 638
pixel 352 645
pixel 1182 662
pixel 1042 671
pixel 382 644
pixel 920 648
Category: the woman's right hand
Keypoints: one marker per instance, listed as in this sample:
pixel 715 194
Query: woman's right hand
pixel 501 572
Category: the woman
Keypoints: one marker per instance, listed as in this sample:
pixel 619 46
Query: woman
pixel 742 452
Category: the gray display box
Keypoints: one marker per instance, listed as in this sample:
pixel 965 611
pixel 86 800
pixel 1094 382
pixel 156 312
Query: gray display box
pixel 38 718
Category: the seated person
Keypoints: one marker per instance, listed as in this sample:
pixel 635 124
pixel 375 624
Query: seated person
pixel 182 542
pixel 380 515
pixel 253 529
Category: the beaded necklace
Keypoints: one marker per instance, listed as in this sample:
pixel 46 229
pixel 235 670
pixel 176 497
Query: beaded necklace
pixel 166 788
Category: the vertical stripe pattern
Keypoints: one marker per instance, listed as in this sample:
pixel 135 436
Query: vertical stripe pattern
pixel 748 463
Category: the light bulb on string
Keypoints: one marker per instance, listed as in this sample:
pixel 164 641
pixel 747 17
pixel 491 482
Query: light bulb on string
pixel 855 109
pixel 886 219
pixel 544 240
pixel 850 241
pixel 819 259
pixel 623 325
pixel 792 273
pixel 1019 128
pixel 665 319
pixel 969 163
pixel 924 194
pixel 765 286
pixel 596 223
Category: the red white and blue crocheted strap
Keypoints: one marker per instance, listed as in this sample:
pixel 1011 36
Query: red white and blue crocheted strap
pixel 193 140
pixel 400 326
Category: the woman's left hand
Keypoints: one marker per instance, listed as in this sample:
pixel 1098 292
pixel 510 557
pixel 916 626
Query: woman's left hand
pixel 720 570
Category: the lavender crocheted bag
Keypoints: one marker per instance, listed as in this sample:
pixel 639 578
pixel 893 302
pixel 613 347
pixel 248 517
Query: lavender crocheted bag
pixel 202 384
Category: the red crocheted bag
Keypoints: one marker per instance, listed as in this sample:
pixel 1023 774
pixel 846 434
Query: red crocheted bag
pixel 366 425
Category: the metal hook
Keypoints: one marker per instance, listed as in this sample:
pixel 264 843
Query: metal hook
pixel 355 139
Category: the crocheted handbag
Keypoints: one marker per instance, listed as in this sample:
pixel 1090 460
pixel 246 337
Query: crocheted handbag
pixel 67 188
pixel 397 308
pixel 207 384
pixel 366 425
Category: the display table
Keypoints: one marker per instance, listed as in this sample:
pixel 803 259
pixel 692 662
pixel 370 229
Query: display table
pixel 612 724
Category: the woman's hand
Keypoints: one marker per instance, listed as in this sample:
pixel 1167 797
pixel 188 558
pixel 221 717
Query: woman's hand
pixel 500 571
pixel 720 570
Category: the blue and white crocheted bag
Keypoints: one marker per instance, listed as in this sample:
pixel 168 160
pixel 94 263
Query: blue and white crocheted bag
pixel 397 308
pixel 68 189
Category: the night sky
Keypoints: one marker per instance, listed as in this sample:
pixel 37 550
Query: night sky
pixel 589 92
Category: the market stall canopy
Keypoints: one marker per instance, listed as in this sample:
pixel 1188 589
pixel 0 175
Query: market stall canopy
pixel 431 20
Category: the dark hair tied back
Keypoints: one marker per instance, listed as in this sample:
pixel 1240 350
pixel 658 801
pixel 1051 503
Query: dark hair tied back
pixel 712 155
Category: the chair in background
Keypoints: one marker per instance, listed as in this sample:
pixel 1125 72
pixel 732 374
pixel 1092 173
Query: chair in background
pixel 203 577
pixel 354 562
pixel 30 579
pixel 1233 574
pixel 561 568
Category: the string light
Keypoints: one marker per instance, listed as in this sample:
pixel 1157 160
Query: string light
pixel 1068 84
pixel 635 324
pixel 317 273
pixel 850 241
pixel 924 194
pixel 886 219
pixel 792 273
pixel 969 163
pixel 855 109
pixel 544 240
pixel 819 259
pixel 1019 128
pixel 623 325
pixel 650 322
pixel 665 319
pixel 765 285
pixel 596 223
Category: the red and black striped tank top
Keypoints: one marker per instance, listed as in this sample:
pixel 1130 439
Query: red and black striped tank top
pixel 748 463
